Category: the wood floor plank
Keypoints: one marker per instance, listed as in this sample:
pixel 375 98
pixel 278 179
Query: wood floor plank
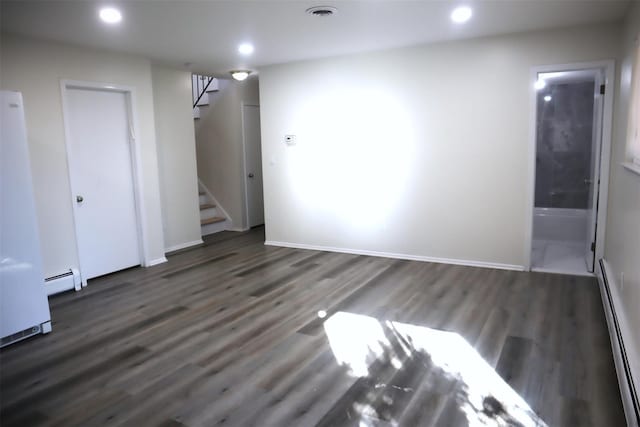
pixel 234 332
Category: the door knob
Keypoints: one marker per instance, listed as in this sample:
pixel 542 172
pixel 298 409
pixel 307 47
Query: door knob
pixel 79 199
pixel 250 175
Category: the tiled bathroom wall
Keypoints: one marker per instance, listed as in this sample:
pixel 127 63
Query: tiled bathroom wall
pixel 564 138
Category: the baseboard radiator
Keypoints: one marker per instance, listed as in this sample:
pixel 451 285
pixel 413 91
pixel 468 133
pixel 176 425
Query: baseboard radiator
pixel 63 282
pixel 626 380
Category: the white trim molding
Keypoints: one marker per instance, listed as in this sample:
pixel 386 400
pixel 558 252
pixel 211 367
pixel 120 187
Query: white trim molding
pixel 136 166
pixel 239 229
pixel 393 255
pixel 627 361
pixel 156 262
pixel 183 246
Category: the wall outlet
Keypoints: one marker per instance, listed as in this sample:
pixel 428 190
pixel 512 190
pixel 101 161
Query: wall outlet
pixel 290 139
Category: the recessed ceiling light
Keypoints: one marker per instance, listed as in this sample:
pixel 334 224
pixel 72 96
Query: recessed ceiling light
pixel 547 98
pixel 322 11
pixel 461 14
pixel 240 75
pixel 110 15
pixel 245 48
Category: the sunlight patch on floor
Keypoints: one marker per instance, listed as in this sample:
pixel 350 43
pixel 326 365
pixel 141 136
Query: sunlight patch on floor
pixel 359 341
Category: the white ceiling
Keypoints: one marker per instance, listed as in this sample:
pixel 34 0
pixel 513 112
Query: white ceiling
pixel 207 33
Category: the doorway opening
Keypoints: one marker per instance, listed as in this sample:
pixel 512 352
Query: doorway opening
pixel 570 111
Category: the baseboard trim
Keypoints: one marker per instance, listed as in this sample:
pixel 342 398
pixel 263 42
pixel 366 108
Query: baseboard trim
pixel 239 229
pixel 398 256
pixel 182 246
pixel 619 331
pixel 216 227
pixel 156 261
pixel 566 273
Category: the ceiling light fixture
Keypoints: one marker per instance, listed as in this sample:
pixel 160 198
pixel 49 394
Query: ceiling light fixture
pixel 547 98
pixel 540 84
pixel 110 15
pixel 322 11
pixel 240 75
pixel 461 14
pixel 245 48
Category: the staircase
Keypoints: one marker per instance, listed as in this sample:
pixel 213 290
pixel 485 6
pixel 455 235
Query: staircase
pixel 212 217
pixel 203 88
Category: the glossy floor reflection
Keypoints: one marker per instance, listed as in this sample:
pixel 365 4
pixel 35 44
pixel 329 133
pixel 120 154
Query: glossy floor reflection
pixel 413 358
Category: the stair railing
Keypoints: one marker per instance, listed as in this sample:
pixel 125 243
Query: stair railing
pixel 202 84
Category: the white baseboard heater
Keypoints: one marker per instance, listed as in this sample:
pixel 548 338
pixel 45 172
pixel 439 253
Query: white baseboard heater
pixel 63 282
pixel 621 355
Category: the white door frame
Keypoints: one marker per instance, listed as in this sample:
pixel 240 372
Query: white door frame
pixel 608 66
pixel 136 162
pixel 244 164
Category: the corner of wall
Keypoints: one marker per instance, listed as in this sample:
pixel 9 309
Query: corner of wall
pixel 175 142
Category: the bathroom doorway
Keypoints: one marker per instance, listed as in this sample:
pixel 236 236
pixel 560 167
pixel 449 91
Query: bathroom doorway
pixel 571 125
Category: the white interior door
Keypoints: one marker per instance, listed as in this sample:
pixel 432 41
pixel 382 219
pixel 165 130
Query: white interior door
pixel 253 164
pixel 594 179
pixel 102 181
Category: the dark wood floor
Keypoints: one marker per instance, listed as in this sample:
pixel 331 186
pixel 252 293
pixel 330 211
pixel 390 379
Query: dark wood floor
pixel 230 334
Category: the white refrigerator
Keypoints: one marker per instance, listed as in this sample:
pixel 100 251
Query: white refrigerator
pixel 24 307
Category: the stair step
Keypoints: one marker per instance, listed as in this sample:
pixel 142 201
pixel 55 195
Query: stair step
pixel 204 100
pixel 211 220
pixel 213 86
pixel 207 206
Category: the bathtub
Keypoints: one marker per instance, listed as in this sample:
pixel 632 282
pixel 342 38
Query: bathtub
pixel 560 224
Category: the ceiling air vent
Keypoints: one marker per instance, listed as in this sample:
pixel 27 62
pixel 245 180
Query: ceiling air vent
pixel 322 11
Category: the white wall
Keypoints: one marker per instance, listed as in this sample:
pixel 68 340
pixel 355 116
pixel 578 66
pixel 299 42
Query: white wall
pixel 420 151
pixel 623 226
pixel 35 68
pixel 219 146
pixel 175 141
